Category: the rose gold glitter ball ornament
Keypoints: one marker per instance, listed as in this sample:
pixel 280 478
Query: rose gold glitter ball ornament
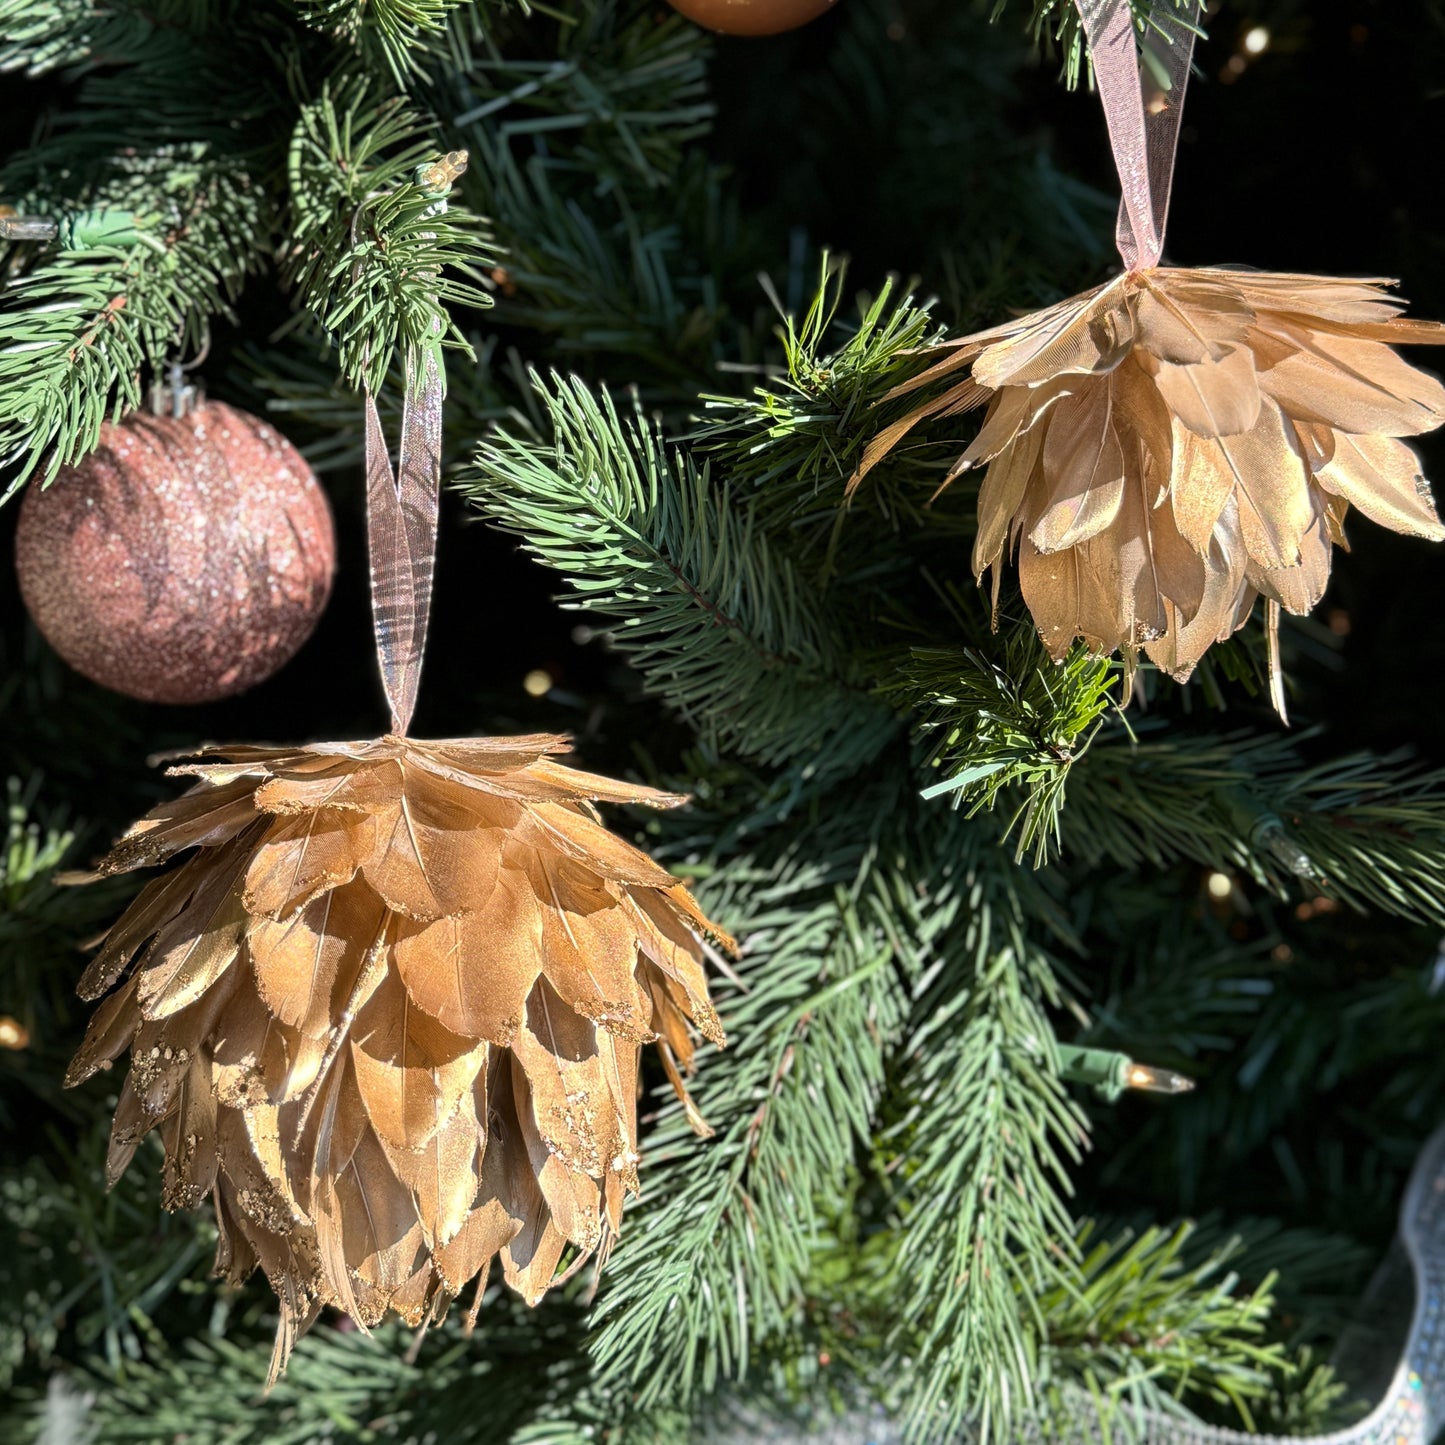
pixel 186 559
pixel 752 17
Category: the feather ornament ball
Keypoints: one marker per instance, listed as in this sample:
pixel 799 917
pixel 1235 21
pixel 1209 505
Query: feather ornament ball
pixel 186 559
pixel 752 17
pixel 387 1014
pixel 1164 450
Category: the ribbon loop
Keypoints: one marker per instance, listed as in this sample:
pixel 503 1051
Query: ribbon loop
pixel 1143 136
pixel 401 506
pixel 401 527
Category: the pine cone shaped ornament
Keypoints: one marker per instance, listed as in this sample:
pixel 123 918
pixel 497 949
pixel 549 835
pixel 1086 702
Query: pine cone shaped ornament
pixel 1166 448
pixel 388 1014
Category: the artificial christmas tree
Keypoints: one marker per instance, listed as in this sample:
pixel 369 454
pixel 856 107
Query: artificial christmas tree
pixel 956 870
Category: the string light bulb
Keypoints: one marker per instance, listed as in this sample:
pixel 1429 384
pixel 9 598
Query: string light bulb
pixel 1111 1074
pixel 15 227
pixel 1158 1081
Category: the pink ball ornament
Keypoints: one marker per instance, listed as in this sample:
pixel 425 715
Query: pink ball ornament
pixel 752 17
pixel 186 559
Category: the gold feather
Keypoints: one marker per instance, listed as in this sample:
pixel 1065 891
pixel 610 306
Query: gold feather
pixel 442 1176
pixel 473 971
pixel 299 959
pixel 189 1137
pixel 302 856
pixel 112 1026
pixel 153 907
pixel 1085 465
pixel 192 951
pixel 411 1071
pixel 1213 398
pixel 201 818
pixel 1381 476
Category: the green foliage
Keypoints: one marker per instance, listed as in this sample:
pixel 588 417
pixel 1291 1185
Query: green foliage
pixel 39 926
pixel 1147 1329
pixel 847 1012
pixel 36 39
pixel 684 1306
pixel 91 1265
pixel 31 854
pixel 1363 829
pixel 340 1385
pixel 615 101
pixel 711 611
pixel 369 244
pixel 196 198
pixel 798 438
pixel 396 33
pixel 1010 724
pixel 987 1138
pixel 79 328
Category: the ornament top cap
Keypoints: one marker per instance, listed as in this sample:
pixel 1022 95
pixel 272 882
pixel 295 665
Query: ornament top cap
pixel 174 395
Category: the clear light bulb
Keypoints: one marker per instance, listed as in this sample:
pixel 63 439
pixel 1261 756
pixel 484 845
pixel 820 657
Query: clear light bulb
pixel 26 228
pixel 1157 1081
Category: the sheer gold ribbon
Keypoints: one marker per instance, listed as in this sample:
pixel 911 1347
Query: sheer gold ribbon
pixel 1143 133
pixel 401 505
pixel 401 532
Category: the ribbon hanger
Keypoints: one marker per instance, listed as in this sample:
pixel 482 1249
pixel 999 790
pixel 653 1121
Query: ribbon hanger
pixel 401 534
pixel 1143 136
pixel 401 505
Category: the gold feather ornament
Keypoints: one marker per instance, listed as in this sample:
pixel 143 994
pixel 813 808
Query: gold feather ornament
pixel 388 1011
pixel 1168 447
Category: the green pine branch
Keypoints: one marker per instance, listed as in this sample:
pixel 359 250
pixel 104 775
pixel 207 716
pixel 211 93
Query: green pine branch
pixel 1146 1329
pixel 370 248
pixel 399 35
pixel 714 1266
pixel 612 92
pixel 601 277
pixel 91 1259
pixel 618 241
pixel 1002 722
pixel 79 329
pixel 1365 829
pixel 339 1384
pixel 713 615
pixel 41 36
pixel 871 976
pixel 799 439
pixel 162 221
pixel 983 1154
